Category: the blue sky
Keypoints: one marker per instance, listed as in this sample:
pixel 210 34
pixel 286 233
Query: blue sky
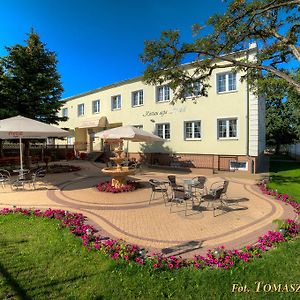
pixel 98 42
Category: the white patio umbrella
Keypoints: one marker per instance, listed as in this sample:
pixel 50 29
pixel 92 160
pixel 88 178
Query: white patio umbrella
pixel 130 133
pixel 20 127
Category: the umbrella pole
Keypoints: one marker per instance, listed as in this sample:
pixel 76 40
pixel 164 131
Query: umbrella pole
pixel 21 157
pixel 127 149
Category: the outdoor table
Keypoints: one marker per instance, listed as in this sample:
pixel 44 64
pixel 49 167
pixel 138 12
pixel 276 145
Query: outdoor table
pixel 21 172
pixel 188 186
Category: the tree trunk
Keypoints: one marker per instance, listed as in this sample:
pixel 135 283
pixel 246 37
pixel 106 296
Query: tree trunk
pixel 277 148
pixel 26 154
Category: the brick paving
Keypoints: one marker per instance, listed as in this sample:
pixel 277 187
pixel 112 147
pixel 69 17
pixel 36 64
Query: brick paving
pixel 130 217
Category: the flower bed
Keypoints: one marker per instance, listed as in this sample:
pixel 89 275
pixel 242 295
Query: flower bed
pixel 107 187
pixel 282 197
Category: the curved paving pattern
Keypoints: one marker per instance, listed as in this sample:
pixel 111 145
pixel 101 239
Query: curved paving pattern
pixel 130 217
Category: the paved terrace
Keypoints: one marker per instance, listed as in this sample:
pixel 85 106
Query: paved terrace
pixel 130 217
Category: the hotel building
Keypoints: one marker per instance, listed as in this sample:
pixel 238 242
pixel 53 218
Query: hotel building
pixel 223 131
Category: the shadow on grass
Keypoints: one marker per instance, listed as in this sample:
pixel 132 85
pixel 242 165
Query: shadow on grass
pixel 17 289
pixel 285 179
pixel 278 166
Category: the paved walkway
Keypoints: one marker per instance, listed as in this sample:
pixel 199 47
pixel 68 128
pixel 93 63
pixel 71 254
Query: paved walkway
pixel 130 217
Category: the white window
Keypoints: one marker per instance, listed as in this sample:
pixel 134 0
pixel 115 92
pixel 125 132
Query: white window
pixel 162 93
pixel 70 140
pixel 239 165
pixel 226 82
pixel 163 130
pixel 116 102
pixel 137 98
pixel 96 106
pixel 192 130
pixel 65 112
pixel 227 128
pixel 195 90
pixel 80 109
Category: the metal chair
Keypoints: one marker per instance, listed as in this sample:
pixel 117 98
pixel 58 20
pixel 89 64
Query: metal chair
pixel 26 178
pixel 215 194
pixel 218 184
pixel 173 183
pixel 4 177
pixel 181 197
pixel 199 188
pixel 158 187
pixel 39 175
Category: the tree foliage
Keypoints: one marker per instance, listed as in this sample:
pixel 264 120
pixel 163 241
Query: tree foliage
pixel 29 82
pixel 273 24
pixel 282 112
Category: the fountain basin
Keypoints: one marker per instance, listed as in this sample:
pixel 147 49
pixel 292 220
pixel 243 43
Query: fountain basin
pixel 118 175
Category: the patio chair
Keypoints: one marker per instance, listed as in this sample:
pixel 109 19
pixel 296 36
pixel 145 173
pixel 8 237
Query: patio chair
pixel 39 175
pixel 158 187
pixel 173 183
pixel 199 188
pixel 216 193
pixel 26 178
pixel 4 177
pixel 181 197
pixel 218 184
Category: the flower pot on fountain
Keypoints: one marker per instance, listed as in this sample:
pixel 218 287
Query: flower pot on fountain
pixel 119 172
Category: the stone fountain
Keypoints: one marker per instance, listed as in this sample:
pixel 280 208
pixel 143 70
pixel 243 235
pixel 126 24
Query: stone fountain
pixel 119 172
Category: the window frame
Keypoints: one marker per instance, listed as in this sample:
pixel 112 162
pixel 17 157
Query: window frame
pixel 193 131
pixel 233 168
pixel 140 96
pixel 164 130
pixel 227 137
pixel 78 110
pixel 98 106
pixel 226 74
pixel 65 109
pixel 112 101
pixel 157 94
pixel 198 90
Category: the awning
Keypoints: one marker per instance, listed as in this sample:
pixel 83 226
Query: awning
pixel 93 122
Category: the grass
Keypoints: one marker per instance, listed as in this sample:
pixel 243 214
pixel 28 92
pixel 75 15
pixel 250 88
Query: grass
pixel 285 177
pixel 40 260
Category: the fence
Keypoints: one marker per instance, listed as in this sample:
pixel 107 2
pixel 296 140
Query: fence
pixel 40 150
pixel 294 151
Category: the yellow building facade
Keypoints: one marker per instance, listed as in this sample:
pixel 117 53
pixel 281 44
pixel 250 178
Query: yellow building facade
pixel 223 131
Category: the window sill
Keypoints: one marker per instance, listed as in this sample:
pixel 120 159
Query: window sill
pixel 228 139
pixel 114 109
pixel 139 105
pixel 164 101
pixel 191 139
pixel 227 92
pixel 96 113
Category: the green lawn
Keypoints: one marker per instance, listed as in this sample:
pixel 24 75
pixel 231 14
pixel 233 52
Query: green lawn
pixel 39 260
pixel 285 177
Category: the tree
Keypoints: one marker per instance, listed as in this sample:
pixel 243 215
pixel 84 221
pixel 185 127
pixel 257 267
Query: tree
pixel 282 112
pixel 30 84
pixel 274 24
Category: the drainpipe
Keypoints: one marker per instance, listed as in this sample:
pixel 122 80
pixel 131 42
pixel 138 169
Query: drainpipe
pixel 247 117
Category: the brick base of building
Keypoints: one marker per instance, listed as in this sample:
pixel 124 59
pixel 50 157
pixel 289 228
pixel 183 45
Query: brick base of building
pixel 203 161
